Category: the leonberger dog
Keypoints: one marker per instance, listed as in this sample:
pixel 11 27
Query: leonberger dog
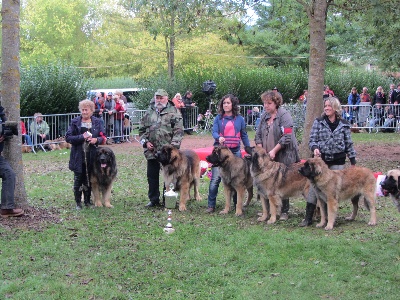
pixel 391 184
pixel 102 176
pixel 275 181
pixel 235 175
pixel 182 169
pixel 332 186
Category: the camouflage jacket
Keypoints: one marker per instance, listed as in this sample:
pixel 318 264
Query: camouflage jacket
pixel 165 127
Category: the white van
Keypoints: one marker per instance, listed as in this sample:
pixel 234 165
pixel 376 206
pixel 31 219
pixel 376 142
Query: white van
pixel 129 93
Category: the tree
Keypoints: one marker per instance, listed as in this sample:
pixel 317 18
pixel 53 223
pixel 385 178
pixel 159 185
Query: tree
pixel 174 19
pixel 10 80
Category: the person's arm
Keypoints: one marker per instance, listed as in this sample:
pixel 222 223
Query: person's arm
pixel 46 128
pixel 215 128
pixel 243 133
pixel 348 143
pixel 177 130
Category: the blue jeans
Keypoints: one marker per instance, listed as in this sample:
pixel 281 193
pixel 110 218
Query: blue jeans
pixel 214 184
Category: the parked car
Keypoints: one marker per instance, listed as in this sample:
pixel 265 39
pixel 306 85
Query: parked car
pixel 129 93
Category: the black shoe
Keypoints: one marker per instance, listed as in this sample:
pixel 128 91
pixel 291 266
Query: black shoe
pixel 189 132
pixel 153 204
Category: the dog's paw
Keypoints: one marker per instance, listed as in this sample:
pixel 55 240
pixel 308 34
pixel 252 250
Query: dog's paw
pixel 239 213
pixel 109 205
pixel 182 207
pixel 372 223
pixel 98 204
pixel 224 212
pixel 198 198
pixel 271 221
pixel 320 225
pixel 328 227
pixel 262 218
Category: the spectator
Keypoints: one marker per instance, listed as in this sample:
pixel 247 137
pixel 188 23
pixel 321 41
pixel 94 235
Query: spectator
pixel 39 129
pixel 118 118
pixel 99 107
pixel 378 116
pixel 364 96
pixel 160 125
pixel 253 115
pixel 353 101
pixel 177 100
pixel 303 98
pixel 7 175
pixel 391 90
pixel 109 108
pixel 330 139
pixel 395 95
pixel 85 132
pixel 187 100
pixel 269 135
pixel 391 118
pixel 26 138
pixel 127 126
pixel 121 96
pixel 379 96
pixel 328 92
pixel 229 129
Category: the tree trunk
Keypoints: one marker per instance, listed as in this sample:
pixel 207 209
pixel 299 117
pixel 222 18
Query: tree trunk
pixel 317 12
pixel 10 92
pixel 171 49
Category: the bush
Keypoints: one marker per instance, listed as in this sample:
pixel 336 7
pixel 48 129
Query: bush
pixel 52 89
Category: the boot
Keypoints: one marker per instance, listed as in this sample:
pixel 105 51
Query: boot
pixel 86 196
pixel 310 208
pixel 285 210
pixel 78 198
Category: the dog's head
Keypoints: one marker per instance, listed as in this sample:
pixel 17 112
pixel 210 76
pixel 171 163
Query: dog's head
pixel 391 182
pixel 105 157
pixel 166 155
pixel 218 155
pixel 312 168
pixel 258 157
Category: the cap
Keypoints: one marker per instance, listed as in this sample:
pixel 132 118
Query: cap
pixel 161 92
pixel 110 94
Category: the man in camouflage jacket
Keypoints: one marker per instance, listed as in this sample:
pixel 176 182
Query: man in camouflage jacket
pixel 162 124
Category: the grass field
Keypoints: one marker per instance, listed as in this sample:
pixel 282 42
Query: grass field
pixel 123 253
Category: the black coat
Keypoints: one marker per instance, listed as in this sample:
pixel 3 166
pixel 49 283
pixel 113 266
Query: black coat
pixel 76 139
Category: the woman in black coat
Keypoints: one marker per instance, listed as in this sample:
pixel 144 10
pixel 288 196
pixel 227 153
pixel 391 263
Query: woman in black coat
pixel 84 134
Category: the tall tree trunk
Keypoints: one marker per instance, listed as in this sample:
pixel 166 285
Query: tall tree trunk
pixel 317 12
pixel 171 49
pixel 10 91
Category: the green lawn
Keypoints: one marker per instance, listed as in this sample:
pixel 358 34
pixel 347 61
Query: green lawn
pixel 123 253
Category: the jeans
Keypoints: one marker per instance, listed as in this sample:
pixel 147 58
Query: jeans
pixel 117 131
pixel 214 184
pixel 312 196
pixel 8 184
pixel 27 139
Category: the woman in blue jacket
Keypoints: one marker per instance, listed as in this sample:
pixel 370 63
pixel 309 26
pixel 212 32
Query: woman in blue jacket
pixel 229 129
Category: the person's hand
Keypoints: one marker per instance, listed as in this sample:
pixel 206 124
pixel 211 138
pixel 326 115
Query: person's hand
pixel 101 110
pixel 149 146
pixel 221 140
pixel 272 154
pixel 317 153
pixel 1 138
pixel 86 135
pixel 110 112
pixel 43 136
pixel 92 140
pixel 193 104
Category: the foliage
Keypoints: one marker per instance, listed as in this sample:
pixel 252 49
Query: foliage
pixel 113 83
pixel 250 83
pixel 52 88
pixel 122 253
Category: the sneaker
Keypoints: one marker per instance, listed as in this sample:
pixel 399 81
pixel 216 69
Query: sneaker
pixel 16 212
pixel 78 206
pixel 210 210
pixel 153 204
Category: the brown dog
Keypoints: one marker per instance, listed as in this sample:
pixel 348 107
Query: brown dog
pixel 182 169
pixel 392 185
pixel 332 186
pixel 104 173
pixel 275 181
pixel 235 175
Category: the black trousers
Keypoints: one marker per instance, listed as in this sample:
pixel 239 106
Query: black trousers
pixel 153 179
